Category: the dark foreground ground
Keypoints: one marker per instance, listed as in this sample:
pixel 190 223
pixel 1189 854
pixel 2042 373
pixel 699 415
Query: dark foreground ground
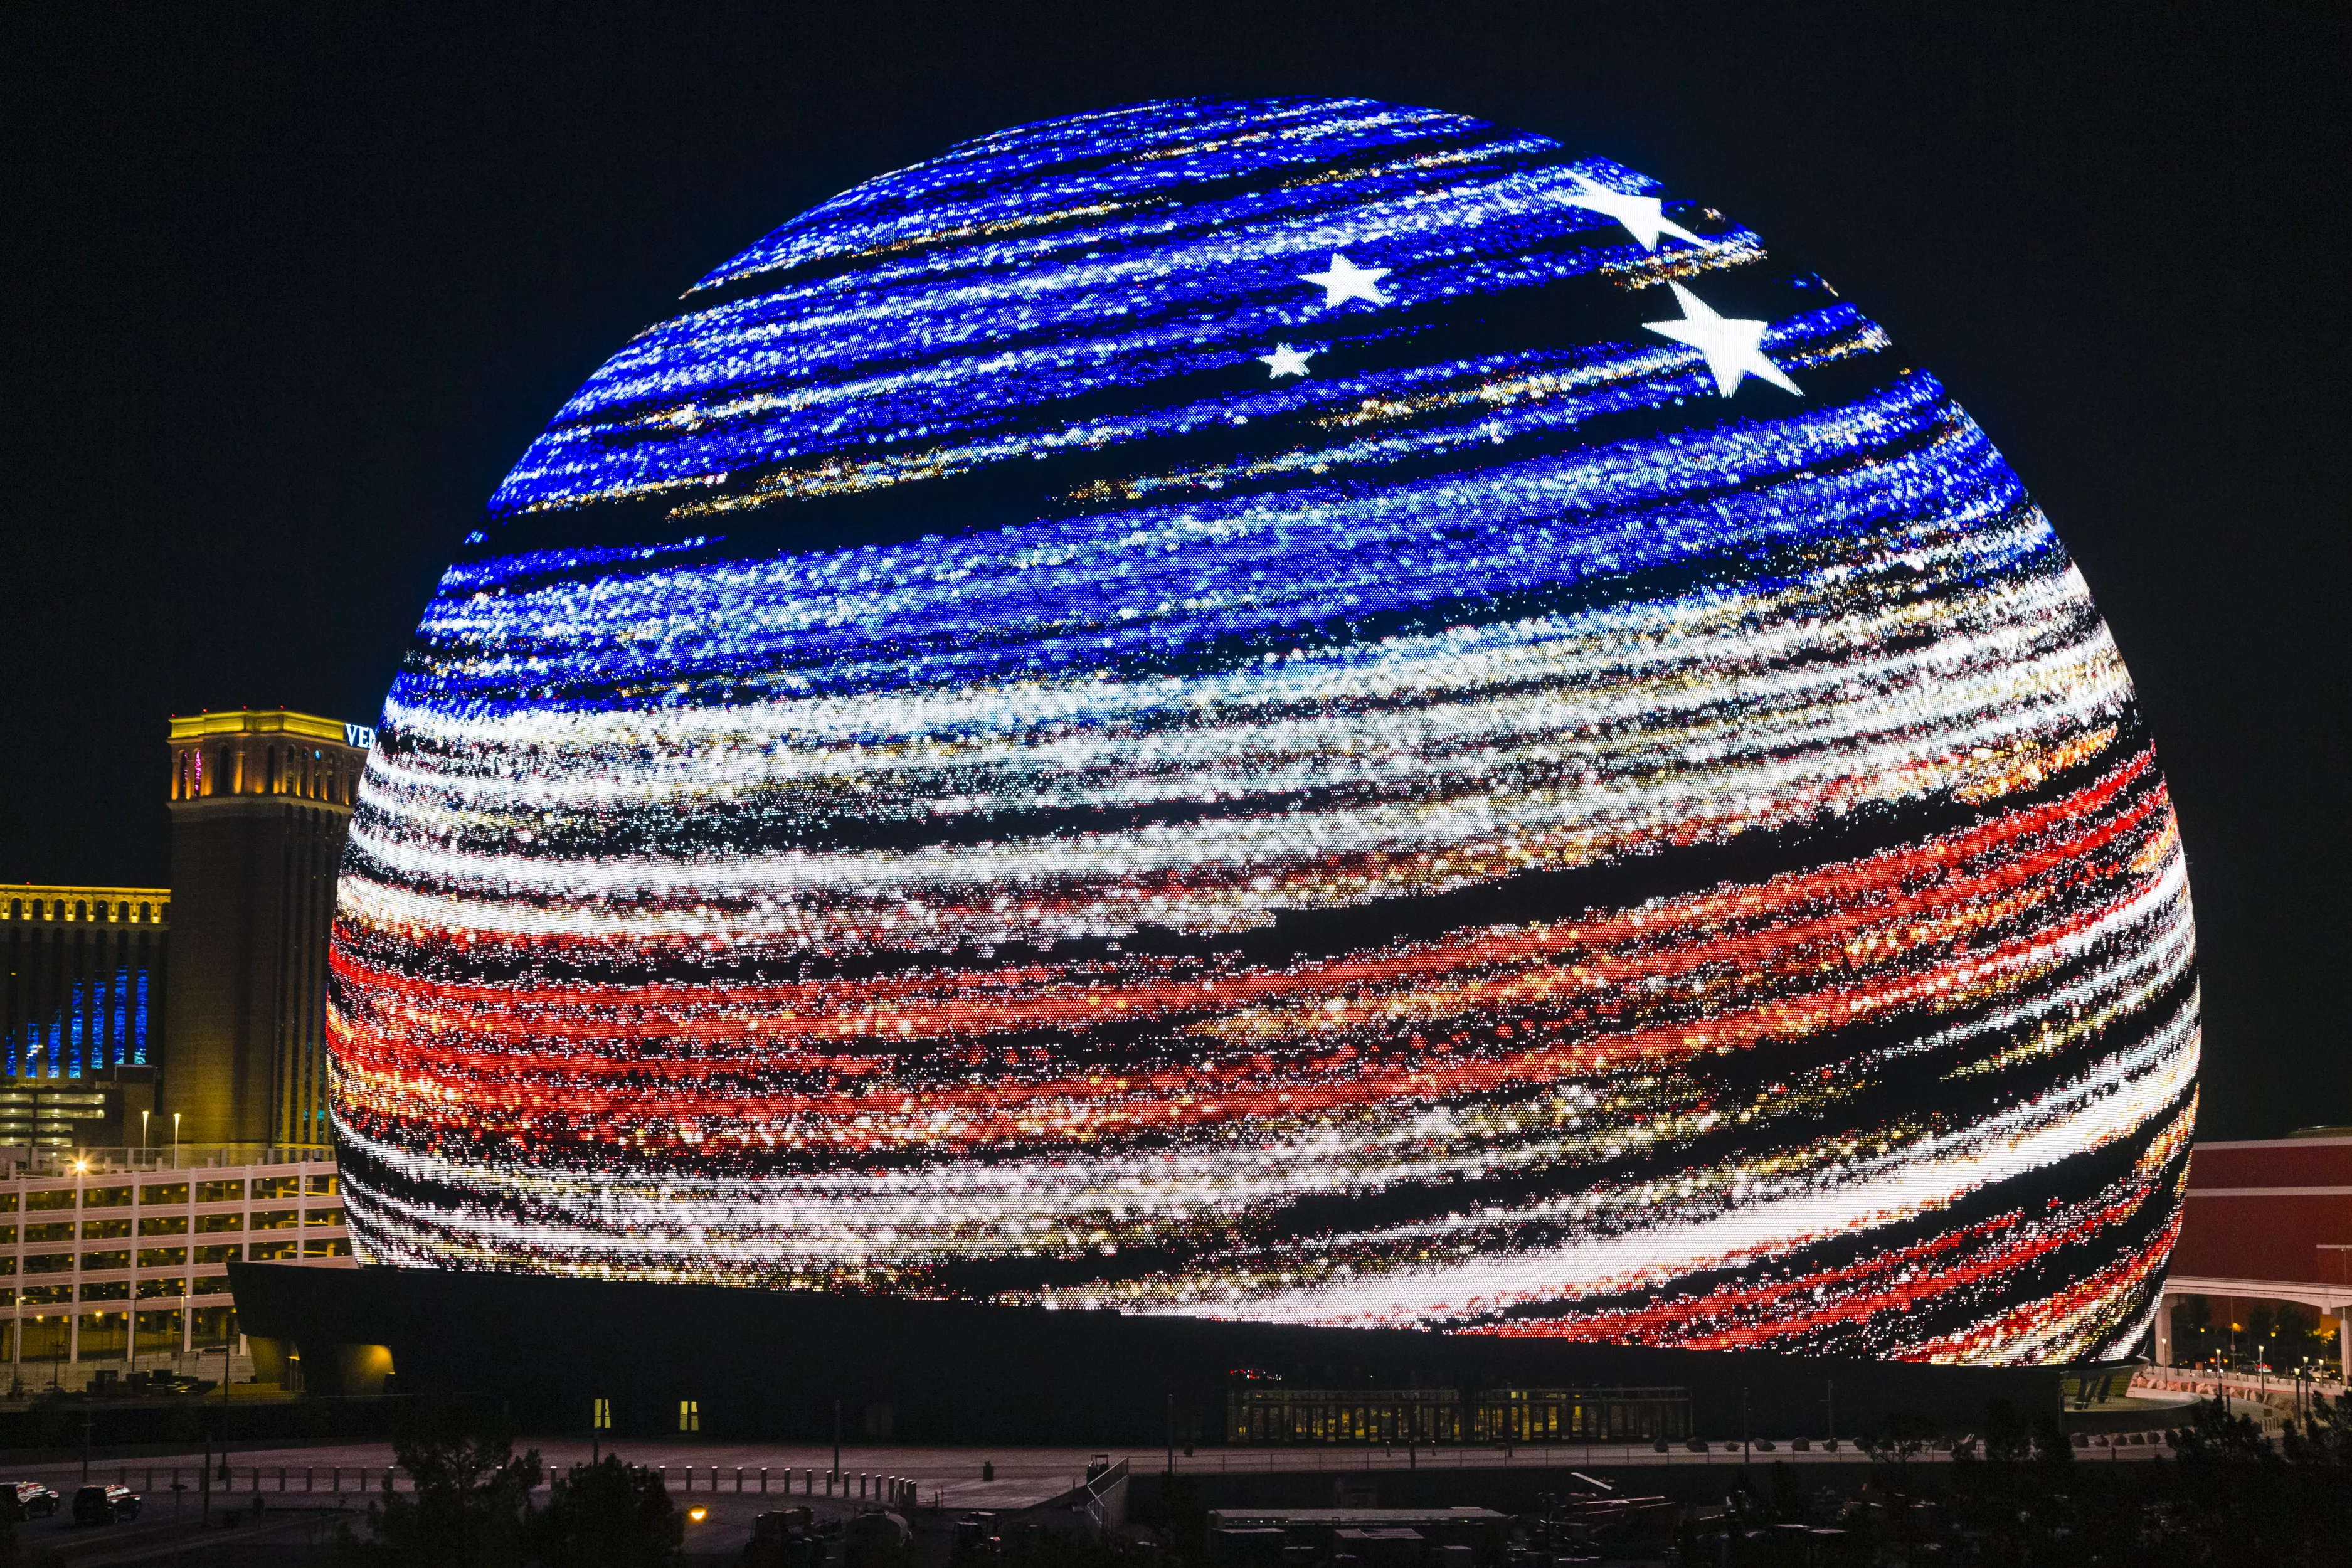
pixel 305 1492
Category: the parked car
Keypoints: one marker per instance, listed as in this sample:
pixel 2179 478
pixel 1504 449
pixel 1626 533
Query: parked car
pixel 786 1539
pixel 105 1505
pixel 35 1501
pixel 875 1540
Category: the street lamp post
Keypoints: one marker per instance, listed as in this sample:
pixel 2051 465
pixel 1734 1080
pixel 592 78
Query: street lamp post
pixel 73 1313
pixel 229 1345
pixel 175 1139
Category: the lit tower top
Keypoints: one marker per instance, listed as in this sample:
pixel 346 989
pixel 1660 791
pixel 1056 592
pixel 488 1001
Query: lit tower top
pixel 260 804
pixel 280 754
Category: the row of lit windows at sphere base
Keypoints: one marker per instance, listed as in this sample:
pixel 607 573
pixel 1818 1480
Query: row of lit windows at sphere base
pixel 107 1269
pixel 1257 1414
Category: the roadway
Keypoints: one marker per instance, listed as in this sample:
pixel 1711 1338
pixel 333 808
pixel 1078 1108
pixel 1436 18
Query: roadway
pixel 305 1491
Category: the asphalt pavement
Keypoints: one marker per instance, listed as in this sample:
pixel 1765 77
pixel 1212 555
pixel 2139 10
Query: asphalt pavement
pixel 304 1492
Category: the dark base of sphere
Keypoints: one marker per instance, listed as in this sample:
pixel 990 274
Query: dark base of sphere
pixel 772 1365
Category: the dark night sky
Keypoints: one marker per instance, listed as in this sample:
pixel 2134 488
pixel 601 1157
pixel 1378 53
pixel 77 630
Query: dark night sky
pixel 285 289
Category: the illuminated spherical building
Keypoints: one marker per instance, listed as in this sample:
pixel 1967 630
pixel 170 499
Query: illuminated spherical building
pixel 1303 710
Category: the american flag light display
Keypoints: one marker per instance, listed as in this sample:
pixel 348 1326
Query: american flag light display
pixel 1301 710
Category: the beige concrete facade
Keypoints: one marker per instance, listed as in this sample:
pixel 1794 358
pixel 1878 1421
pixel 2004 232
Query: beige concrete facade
pixel 118 1259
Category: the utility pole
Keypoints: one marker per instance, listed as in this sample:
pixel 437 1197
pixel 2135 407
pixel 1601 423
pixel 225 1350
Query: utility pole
pixel 73 1319
pixel 229 1345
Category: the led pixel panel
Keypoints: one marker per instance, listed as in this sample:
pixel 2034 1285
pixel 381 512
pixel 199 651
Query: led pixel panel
pixel 1302 709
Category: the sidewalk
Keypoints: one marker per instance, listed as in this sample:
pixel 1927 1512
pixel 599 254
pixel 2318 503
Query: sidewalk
pixel 2273 1391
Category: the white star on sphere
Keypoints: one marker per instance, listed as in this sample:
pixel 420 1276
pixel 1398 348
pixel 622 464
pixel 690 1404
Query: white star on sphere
pixel 1643 217
pixel 1733 348
pixel 1346 281
pixel 1286 361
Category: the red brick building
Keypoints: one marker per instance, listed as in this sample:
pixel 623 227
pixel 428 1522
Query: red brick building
pixel 2268 1221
